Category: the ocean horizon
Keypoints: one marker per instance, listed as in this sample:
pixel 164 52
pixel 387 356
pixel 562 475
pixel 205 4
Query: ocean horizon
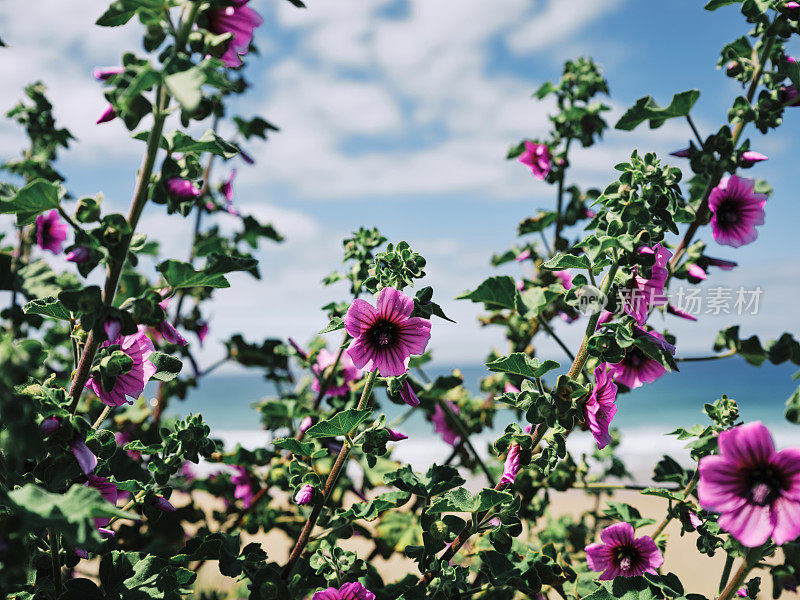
pixel 645 417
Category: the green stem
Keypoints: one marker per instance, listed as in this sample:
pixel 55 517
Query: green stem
pixel 694 130
pixel 330 483
pixel 56 562
pixel 560 198
pixel 705 358
pixel 685 492
pixel 462 430
pixel 726 573
pixel 543 323
pixel 750 561
pixel 102 417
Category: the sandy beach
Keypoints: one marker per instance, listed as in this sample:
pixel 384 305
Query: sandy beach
pixel 699 573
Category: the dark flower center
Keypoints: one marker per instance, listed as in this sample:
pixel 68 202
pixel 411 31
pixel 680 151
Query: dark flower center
pixel 764 485
pixel 634 358
pixel 728 213
pixel 627 556
pixel 382 333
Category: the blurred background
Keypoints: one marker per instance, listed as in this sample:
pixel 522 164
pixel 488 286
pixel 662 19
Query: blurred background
pixel 398 114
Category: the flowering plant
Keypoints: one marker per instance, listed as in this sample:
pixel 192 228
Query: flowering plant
pixel 101 495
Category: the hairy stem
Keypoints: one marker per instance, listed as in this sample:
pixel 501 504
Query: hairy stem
pixel 685 492
pixel 750 561
pixel 330 484
pixel 715 178
pixel 560 199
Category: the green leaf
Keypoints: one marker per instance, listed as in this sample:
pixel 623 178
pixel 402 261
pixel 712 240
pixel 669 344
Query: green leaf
pixel 167 367
pixel 178 141
pixel 33 199
pixel 495 292
pixel 715 4
pixel 341 424
pixel 646 109
pixel 460 500
pixel 520 363
pixel 561 262
pixel 49 307
pixel 179 275
pixel 185 86
pixel 256 126
pixel 72 514
pixel 295 446
pixel 336 323
pixel 369 511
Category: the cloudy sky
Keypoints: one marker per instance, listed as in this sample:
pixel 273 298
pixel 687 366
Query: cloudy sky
pixel 398 114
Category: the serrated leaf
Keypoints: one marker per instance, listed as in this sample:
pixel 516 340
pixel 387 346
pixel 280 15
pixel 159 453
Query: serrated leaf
pixel 49 307
pixel 336 323
pixel 646 109
pixel 167 367
pixel 35 198
pixel 185 86
pixel 520 363
pixel 341 424
pixel 295 446
pixel 495 292
pixel 561 262
pixel 179 275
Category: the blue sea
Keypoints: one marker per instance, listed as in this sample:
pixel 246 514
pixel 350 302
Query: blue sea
pixel 645 415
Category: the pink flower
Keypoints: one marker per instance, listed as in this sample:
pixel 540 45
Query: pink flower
pixel 751 157
pixel 51 231
pixel 408 395
pixel 601 406
pixel 736 210
pixel 755 489
pixel 162 504
pixel 511 466
pixel 725 265
pixel 109 114
pixel 112 327
pixel 538 158
pixel 788 94
pixel 105 73
pixel 50 425
pixel 682 153
pixel 108 490
pixel 241 21
pixel 695 272
pixel 348 591
pixel 396 436
pixel 523 256
pixel 565 278
pixel 79 254
pixel 227 192
pixel 202 331
pixel 510 388
pixel 304 495
pixel 139 347
pixel 648 292
pixel 386 337
pixel 637 368
pixel 674 310
pixel 244 486
pixel 170 334
pixel 306 423
pixel 742 592
pixel 85 457
pixel 346 373
pixel 619 554
pixel 441 426
pixel 182 188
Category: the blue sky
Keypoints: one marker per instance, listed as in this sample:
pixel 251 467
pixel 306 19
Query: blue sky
pixel 398 114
